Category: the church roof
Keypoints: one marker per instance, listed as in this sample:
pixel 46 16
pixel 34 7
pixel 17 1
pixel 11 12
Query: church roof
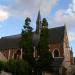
pixel 55 35
pixel 10 42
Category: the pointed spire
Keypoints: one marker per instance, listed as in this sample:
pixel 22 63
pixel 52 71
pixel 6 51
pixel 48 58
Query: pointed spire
pixel 39 16
pixel 71 47
pixel 38 23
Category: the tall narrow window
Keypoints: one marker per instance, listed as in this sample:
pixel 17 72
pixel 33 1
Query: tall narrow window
pixel 56 53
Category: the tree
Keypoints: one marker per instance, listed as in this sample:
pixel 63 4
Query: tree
pixel 44 23
pixel 44 41
pixel 2 65
pixel 18 67
pixel 45 57
pixel 26 41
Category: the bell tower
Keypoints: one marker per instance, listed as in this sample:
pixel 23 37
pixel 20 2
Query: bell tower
pixel 38 23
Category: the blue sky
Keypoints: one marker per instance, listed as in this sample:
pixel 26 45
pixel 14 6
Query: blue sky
pixel 57 12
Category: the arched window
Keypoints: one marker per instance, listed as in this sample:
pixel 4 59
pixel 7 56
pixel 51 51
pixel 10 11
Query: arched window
pixel 56 53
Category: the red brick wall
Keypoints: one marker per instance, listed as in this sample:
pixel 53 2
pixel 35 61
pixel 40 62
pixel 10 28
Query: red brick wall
pixel 58 46
pixel 5 52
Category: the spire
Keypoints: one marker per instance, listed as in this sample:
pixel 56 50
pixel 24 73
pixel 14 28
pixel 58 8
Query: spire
pixel 71 47
pixel 39 17
pixel 38 23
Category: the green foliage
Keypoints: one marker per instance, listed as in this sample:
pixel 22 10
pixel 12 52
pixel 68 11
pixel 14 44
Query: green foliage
pixel 45 60
pixel 26 26
pixel 44 41
pixel 2 65
pixel 26 41
pixel 43 49
pixel 18 67
pixel 44 23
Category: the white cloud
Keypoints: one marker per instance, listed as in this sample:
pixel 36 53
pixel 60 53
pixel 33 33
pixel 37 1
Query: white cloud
pixel 66 16
pixel 3 15
pixel 71 36
pixel 46 6
pixel 29 7
pixel 74 5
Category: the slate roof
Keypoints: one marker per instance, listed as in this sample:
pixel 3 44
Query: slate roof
pixel 55 35
pixel 10 42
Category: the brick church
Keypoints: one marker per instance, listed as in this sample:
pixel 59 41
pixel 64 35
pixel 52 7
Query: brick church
pixel 58 46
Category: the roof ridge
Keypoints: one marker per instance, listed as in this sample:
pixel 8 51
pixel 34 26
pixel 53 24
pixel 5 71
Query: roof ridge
pixel 57 27
pixel 11 36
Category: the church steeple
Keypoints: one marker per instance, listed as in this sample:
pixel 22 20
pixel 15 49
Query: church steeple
pixel 38 23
